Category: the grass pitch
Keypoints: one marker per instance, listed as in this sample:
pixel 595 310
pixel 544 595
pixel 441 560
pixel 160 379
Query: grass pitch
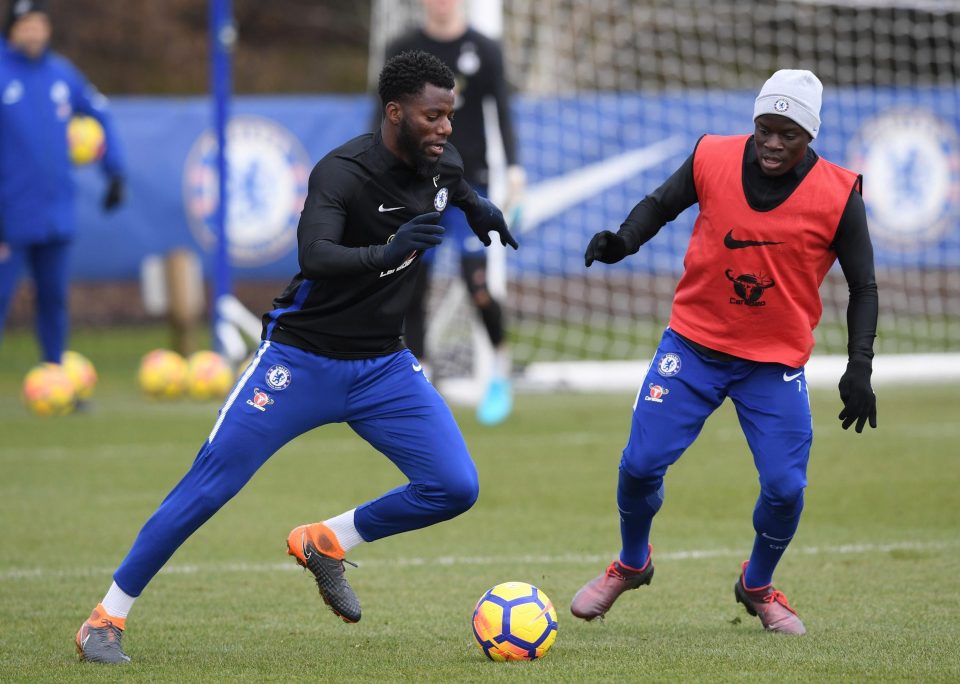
pixel 873 569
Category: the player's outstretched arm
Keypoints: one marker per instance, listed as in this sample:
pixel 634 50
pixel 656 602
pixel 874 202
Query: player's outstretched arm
pixel 605 246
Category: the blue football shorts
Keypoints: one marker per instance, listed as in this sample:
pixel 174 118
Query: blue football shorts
pixel 682 388
pixel 387 400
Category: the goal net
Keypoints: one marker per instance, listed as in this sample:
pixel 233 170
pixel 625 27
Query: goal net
pixel 611 97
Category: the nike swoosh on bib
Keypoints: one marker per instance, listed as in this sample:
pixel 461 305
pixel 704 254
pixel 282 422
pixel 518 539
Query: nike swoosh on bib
pixel 731 242
pixel 382 209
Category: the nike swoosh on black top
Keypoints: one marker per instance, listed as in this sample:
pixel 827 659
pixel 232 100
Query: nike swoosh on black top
pixel 732 243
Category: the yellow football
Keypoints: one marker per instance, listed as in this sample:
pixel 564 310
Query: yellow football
pixel 81 373
pixel 209 376
pixel 163 374
pixel 85 140
pixel 48 391
pixel 514 621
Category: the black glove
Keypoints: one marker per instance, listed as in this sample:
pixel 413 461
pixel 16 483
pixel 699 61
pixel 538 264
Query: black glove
pixel 114 194
pixel 486 218
pixel 419 233
pixel 607 247
pixel 859 401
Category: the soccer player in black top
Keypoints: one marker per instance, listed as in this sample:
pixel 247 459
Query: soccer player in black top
pixel 477 63
pixel 331 353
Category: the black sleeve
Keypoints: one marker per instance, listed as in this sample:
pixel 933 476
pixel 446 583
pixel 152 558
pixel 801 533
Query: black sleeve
pixel 501 94
pixel 464 197
pixel 855 254
pixel 660 207
pixel 322 224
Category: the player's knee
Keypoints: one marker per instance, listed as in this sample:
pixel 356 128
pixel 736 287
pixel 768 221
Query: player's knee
pixel 201 493
pixel 783 495
pixel 209 500
pixel 641 468
pixel 51 301
pixel 460 494
pixel 456 493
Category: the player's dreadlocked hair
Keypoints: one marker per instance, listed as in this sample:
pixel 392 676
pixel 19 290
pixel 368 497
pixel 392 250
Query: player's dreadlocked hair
pixel 406 75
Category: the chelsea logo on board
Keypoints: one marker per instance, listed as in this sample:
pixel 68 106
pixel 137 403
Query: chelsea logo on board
pixel 911 160
pixel 266 188
pixel 440 201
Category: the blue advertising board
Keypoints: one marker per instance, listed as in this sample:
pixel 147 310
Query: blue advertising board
pixel 589 159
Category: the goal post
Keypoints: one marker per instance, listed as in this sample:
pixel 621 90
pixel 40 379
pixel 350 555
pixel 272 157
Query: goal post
pixel 610 98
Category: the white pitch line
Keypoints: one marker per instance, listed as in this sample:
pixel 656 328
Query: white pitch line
pixel 448 561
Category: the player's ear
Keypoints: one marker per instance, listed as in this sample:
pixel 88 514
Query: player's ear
pixel 394 112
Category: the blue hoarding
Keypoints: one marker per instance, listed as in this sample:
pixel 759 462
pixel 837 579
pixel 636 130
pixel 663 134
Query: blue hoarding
pixel 589 158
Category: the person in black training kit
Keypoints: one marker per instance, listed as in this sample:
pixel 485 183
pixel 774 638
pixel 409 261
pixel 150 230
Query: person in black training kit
pixel 332 353
pixel 477 62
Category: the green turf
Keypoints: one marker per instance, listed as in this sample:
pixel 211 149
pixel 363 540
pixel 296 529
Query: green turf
pixel 873 570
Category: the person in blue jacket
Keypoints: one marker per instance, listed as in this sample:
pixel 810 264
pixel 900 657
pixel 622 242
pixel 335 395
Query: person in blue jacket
pixel 39 92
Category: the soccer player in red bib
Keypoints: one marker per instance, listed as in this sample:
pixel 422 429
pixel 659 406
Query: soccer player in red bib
pixel 331 353
pixel 774 216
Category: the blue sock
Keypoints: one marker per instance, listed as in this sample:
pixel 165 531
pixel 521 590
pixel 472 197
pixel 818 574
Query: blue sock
pixel 775 526
pixel 638 501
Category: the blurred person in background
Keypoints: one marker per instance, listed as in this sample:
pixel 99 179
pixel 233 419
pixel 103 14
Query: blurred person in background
pixel 477 63
pixel 40 91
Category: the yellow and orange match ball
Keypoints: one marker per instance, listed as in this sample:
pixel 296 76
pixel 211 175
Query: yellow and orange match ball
pixel 48 391
pixel 86 141
pixel 163 374
pixel 81 372
pixel 209 376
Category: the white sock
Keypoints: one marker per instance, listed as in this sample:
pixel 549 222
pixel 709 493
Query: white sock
pixel 342 526
pixel 117 602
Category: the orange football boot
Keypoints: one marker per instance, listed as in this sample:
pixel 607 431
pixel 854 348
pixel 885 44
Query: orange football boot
pixel 316 548
pixel 98 640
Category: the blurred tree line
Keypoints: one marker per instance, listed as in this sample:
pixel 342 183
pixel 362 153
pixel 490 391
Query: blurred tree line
pixel 147 47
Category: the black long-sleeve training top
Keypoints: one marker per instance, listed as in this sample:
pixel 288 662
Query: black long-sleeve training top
pixel 346 302
pixel 851 241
